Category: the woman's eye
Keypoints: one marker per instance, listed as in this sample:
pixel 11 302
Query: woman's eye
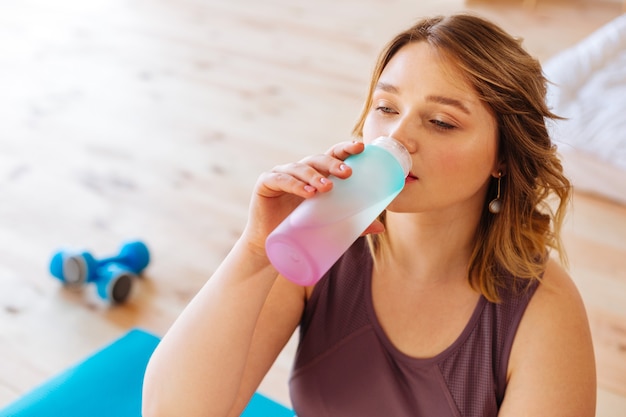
pixel 384 109
pixel 442 125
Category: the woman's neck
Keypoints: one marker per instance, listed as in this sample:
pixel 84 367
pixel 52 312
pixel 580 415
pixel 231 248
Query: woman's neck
pixel 429 248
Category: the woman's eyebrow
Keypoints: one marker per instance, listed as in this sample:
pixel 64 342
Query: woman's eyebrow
pixel 449 102
pixel 389 88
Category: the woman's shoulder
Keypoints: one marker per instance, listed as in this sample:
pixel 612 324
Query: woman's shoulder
pixel 553 290
pixel 556 307
pixel 556 294
pixel 552 356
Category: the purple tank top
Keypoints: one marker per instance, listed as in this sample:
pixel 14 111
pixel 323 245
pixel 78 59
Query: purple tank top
pixel 345 365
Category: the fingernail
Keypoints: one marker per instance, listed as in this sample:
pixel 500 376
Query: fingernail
pixel 343 167
pixel 323 180
pixel 309 188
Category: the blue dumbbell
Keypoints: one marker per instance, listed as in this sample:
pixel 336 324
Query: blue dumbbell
pixel 112 276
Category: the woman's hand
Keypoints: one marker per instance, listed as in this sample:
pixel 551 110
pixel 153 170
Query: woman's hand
pixel 279 191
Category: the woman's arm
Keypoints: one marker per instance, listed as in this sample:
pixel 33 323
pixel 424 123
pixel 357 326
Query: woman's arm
pixel 552 366
pixel 213 357
pixel 198 368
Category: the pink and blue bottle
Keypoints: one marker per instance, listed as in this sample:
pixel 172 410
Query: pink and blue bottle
pixel 315 235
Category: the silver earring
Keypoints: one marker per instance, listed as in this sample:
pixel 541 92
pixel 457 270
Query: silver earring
pixel 495 206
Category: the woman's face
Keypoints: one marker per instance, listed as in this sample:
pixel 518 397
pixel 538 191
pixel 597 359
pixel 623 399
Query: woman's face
pixel 424 102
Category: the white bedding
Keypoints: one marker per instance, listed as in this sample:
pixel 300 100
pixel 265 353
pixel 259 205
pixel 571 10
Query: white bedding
pixel 589 89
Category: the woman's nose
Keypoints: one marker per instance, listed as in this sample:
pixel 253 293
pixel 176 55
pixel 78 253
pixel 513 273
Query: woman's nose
pixel 405 132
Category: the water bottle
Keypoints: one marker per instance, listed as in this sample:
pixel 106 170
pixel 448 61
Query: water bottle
pixel 315 235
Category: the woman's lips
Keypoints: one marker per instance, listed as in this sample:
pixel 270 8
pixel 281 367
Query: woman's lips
pixel 410 178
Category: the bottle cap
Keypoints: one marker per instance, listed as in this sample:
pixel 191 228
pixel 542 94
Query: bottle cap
pixel 397 150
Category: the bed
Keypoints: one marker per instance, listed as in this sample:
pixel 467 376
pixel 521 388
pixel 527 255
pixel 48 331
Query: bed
pixel 588 87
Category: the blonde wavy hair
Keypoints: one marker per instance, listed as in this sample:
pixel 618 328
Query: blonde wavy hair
pixel 534 191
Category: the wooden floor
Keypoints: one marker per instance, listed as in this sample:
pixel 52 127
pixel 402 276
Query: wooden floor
pixel 153 118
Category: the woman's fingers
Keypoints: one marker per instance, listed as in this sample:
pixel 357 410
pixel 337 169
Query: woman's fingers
pixel 345 149
pixel 298 179
pixel 311 174
pixel 331 162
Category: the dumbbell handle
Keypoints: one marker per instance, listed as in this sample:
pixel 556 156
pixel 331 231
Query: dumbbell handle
pixel 111 259
pixel 134 254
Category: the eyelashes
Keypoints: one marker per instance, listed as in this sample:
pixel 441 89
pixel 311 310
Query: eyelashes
pixel 436 123
pixel 442 125
pixel 385 109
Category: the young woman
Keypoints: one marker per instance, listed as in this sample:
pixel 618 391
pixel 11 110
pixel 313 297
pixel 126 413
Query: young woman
pixel 452 306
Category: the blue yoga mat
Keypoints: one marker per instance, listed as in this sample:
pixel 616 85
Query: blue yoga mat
pixel 108 384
